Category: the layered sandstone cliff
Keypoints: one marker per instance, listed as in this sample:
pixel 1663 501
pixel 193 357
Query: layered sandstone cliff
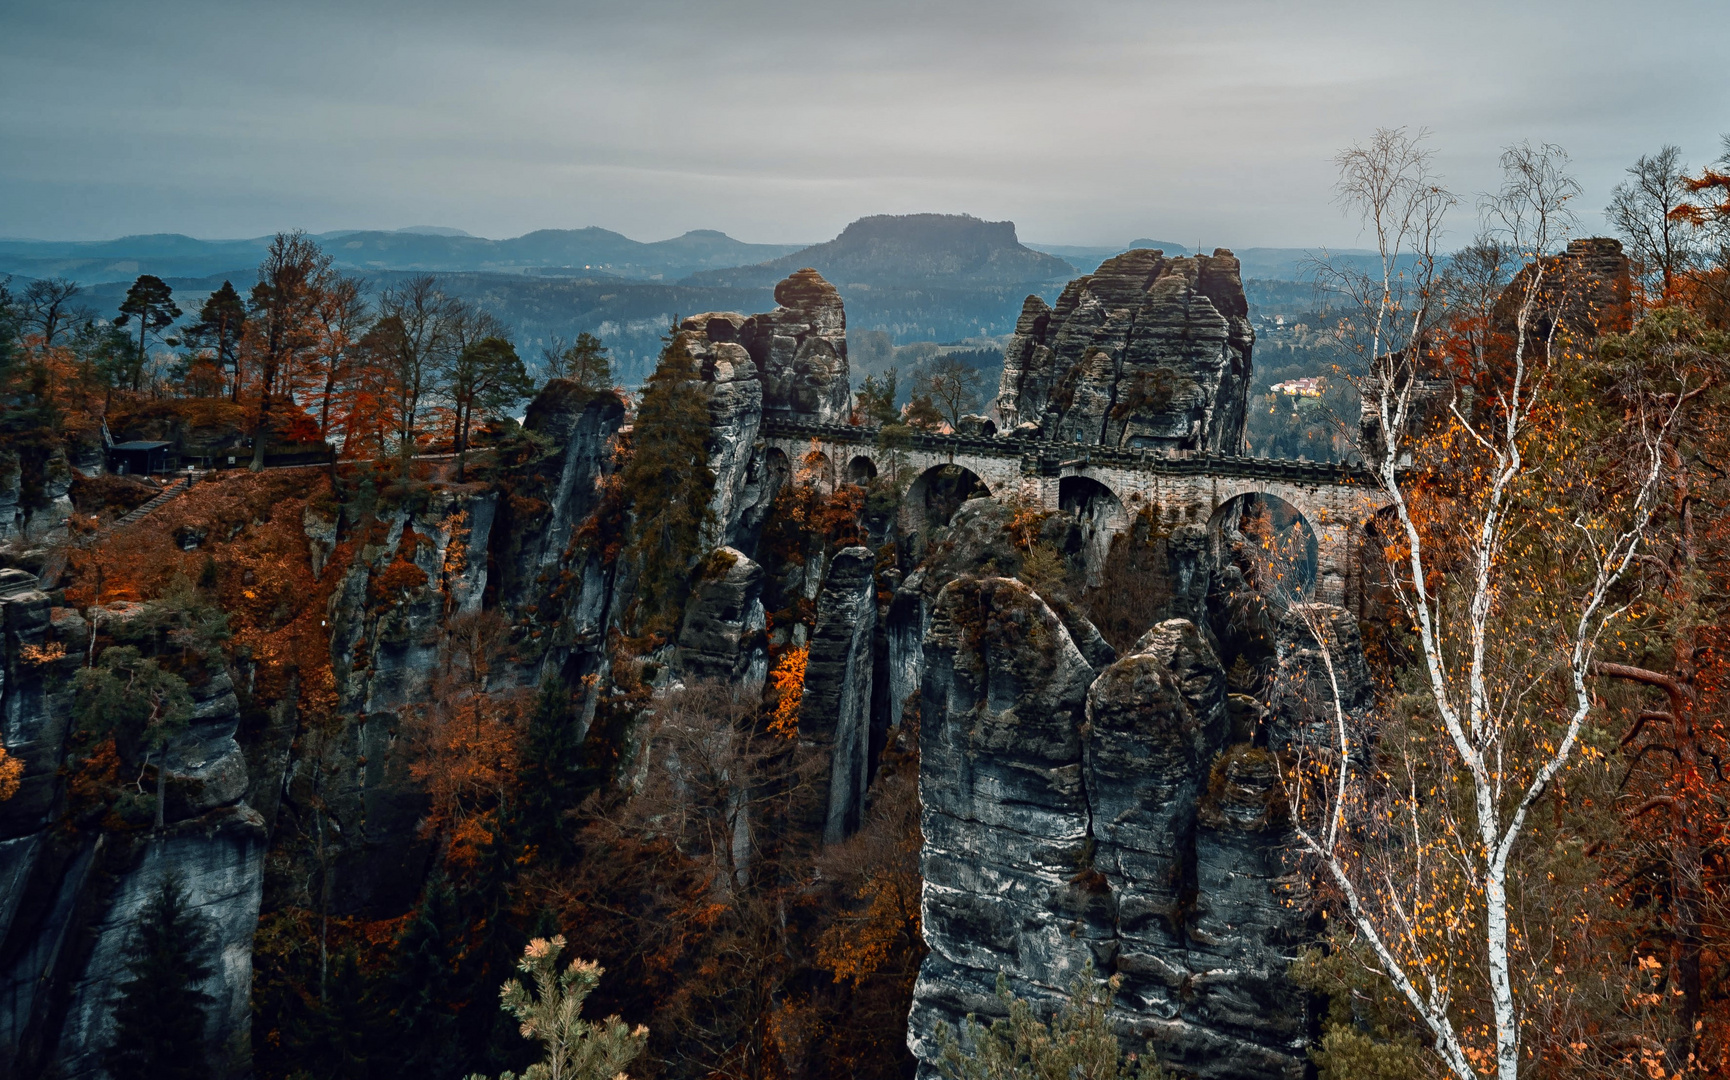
pixel 1145 352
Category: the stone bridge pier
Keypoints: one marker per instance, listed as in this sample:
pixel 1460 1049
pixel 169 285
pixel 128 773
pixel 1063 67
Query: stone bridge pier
pixel 1110 487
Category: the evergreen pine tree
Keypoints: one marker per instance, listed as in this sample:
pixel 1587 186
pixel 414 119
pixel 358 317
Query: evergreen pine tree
pixel 221 321
pixel 487 376
pixel 151 302
pixel 585 363
pixel 669 483
pixel 351 1039
pixel 159 1015
pixel 424 986
pixel 550 1013
pixel 550 780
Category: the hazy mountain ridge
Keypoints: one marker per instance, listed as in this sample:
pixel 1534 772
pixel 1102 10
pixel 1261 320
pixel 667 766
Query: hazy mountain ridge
pixel 589 251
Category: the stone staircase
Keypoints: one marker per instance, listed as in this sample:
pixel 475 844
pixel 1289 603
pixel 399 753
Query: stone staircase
pixel 169 494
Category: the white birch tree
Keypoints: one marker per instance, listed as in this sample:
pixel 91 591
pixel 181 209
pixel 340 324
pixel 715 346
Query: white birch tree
pixel 1508 555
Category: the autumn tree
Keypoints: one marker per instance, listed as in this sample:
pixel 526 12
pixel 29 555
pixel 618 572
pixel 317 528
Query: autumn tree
pixel 160 1010
pixel 151 302
pixel 712 777
pixel 922 413
pixel 11 775
pixel 1514 586
pixel 1707 211
pixel 281 328
pixel 486 375
pixel 338 313
pixel 369 409
pixel 1673 360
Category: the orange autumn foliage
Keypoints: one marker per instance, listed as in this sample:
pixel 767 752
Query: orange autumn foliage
pixel 11 775
pixel 787 684
pixel 466 751
pixel 252 528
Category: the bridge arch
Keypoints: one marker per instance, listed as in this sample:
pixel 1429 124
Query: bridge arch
pixel 777 467
pixel 936 493
pixel 860 469
pixel 817 469
pixel 1276 536
pixel 1098 513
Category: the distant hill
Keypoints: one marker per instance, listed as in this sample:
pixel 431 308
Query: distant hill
pixel 910 250
pixel 590 252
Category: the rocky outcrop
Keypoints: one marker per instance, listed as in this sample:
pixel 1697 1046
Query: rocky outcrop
pixel 426 567
pixel 801 350
pixel 1075 816
pixel 70 890
pixel 835 704
pixel 34 511
pixel 1145 352
pixel 722 635
pixel 219 862
pixel 735 413
pixel 1005 809
pixel 1585 291
pixel 553 582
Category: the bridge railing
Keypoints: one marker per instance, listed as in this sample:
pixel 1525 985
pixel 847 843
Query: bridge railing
pixel 1040 457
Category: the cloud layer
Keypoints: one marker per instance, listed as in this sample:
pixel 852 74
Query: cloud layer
pixel 1086 122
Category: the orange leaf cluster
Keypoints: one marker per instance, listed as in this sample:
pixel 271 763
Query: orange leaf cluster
pixel 787 684
pixel 11 775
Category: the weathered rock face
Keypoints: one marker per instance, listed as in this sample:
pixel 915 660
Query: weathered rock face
pixel 1074 815
pixel 69 895
pixel 219 862
pixel 835 706
pixel 801 350
pixel 722 635
pixel 735 413
pixel 1144 352
pixel 1586 291
pixel 1005 810
pixel 559 584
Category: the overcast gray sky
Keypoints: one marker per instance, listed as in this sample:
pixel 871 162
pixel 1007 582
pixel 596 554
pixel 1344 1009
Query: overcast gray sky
pixel 1210 121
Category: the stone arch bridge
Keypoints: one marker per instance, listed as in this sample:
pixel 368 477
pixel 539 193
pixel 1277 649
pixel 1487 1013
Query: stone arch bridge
pixel 1334 500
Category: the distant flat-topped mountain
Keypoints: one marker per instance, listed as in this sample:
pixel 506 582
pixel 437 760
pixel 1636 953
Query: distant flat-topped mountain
pixel 910 250
pixel 590 252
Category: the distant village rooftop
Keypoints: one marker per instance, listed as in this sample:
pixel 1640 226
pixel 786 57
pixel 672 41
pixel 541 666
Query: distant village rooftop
pixel 1310 387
